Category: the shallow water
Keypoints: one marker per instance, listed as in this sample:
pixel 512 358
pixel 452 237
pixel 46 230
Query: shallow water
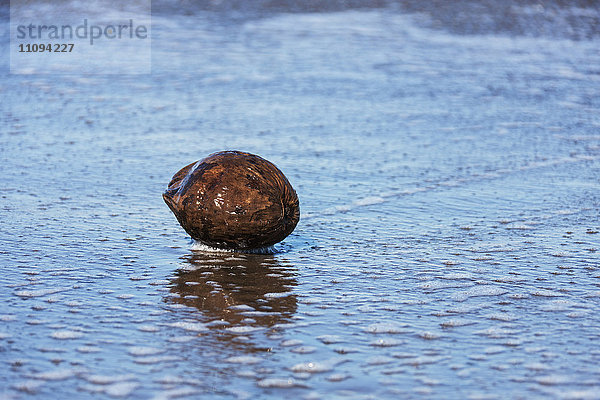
pixel 449 186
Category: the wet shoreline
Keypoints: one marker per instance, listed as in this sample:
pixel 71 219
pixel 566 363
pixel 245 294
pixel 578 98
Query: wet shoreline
pixel 448 242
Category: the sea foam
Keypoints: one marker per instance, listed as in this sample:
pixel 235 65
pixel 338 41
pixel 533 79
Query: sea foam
pixel 198 246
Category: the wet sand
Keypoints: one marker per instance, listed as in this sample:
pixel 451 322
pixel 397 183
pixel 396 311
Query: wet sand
pixel 448 243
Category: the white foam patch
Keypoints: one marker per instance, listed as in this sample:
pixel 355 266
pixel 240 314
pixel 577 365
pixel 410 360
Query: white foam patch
pixel 189 326
pixel 427 335
pixel 304 350
pixel 483 290
pixel 244 360
pixel 559 305
pixel 338 377
pixel 536 366
pixel 144 351
pixel 155 359
pixel 386 342
pixel 88 349
pixel 198 246
pixel 281 383
pixel 553 380
pixel 217 323
pixel 159 282
pixel 121 389
pixel 56 375
pixel 177 306
pixel 456 322
pixel 496 332
pixel 313 367
pixel 367 201
pixel 546 293
pixel 276 295
pixel 108 379
pixel 148 328
pixel 465 309
pixel 386 327
pixel 39 292
pixel 436 285
pixel 246 373
pixel 422 360
pixel 244 329
pixel 291 342
pixel 502 316
pixel 330 339
pixel 170 380
pixel 139 278
pixel 176 393
pixel 65 335
pixel 494 349
pixel 241 307
pixel 30 386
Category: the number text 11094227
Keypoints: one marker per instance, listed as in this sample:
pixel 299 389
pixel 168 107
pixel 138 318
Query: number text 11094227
pixel 49 47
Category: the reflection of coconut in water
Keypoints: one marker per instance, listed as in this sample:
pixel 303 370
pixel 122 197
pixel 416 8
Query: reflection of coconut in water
pixel 233 289
pixel 234 200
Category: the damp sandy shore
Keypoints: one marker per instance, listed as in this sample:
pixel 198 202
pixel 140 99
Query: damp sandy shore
pixel 449 189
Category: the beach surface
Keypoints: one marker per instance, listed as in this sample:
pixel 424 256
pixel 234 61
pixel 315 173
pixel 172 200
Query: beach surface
pixel 447 162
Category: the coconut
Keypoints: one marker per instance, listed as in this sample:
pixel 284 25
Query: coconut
pixel 234 200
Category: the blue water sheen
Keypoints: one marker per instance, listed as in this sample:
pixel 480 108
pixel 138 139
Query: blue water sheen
pixel 449 187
